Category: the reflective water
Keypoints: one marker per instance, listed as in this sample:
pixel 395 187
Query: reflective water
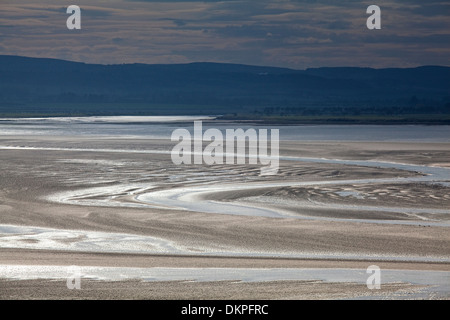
pixel 162 127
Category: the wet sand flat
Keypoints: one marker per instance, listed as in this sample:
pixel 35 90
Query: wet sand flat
pixel 224 290
pixel 92 191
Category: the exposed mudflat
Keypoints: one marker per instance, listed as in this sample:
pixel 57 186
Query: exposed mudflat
pixel 122 203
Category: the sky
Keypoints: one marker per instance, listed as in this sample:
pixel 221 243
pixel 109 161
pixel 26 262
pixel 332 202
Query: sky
pixel 296 34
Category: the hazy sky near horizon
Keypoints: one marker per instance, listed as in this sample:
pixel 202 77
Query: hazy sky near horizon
pixel 296 34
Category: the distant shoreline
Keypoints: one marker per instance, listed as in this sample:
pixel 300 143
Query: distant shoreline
pixel 432 119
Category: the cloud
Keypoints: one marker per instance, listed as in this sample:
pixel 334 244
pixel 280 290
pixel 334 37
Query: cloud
pixel 431 9
pixel 295 34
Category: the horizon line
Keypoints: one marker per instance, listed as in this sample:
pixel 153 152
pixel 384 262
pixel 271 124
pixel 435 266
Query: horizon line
pixel 222 63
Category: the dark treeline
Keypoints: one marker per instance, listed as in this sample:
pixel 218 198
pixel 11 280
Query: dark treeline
pixel 427 107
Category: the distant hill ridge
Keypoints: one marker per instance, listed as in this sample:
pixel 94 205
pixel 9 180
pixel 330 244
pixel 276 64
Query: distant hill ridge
pixel 42 85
